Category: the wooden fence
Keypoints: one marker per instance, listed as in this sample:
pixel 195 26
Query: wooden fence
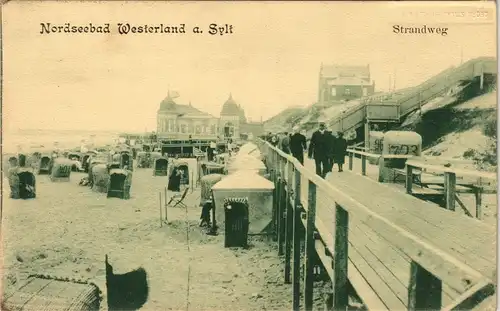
pixel 304 199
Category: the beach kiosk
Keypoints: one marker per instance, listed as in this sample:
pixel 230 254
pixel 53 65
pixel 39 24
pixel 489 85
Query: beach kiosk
pixel 375 146
pixel 243 205
pixel 397 148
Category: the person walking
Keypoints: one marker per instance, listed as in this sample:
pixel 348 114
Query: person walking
pixel 210 150
pixel 319 149
pixel 285 143
pixel 331 152
pixel 298 145
pixel 340 150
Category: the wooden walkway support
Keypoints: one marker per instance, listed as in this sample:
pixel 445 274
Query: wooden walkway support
pixel 391 247
pixel 449 187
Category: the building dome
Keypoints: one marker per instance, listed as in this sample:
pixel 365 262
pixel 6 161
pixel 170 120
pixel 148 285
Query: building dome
pixel 168 103
pixel 230 108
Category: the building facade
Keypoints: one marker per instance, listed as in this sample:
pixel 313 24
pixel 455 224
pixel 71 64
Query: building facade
pixel 340 83
pixel 176 121
pixel 180 122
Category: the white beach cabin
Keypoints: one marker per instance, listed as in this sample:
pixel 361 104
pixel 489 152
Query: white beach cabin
pixel 246 184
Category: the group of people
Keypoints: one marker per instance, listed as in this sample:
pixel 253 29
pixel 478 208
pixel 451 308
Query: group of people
pixel 325 147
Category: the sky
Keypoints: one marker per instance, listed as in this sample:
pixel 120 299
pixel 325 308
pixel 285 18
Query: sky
pixel 269 63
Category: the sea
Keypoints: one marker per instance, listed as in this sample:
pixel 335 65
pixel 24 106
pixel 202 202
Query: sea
pixel 42 140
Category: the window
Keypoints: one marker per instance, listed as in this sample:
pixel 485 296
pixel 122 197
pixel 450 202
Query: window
pixel 347 91
pixel 213 129
pixel 333 91
pixel 170 125
pixel 197 129
pixel 365 91
pixel 183 128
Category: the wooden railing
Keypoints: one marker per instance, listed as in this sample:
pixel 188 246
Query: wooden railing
pixel 300 192
pixel 450 184
pixel 417 164
pixel 395 109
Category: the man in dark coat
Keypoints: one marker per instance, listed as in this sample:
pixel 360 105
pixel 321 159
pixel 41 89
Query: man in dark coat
pixel 319 149
pixel 340 150
pixel 298 146
pixel 331 159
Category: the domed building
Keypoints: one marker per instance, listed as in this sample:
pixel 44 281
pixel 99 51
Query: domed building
pixel 175 121
pixel 233 122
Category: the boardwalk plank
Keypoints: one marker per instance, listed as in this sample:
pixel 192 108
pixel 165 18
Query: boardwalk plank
pixel 476 248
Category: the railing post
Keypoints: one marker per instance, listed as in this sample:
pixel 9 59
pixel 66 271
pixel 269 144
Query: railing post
pixel 281 215
pixel 424 290
pixel 351 155
pixel 409 178
pixel 340 259
pixel 297 222
pixel 450 180
pixel 363 164
pixel 477 193
pixel 310 248
pixel 288 223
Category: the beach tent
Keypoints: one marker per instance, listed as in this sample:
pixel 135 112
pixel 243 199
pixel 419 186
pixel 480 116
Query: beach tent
pixel 246 184
pixel 250 149
pixel 207 168
pixel 22 183
pixel 119 184
pixel 44 165
pixel 160 167
pixel 100 178
pixel 143 159
pixel 246 162
pixel 61 169
pixel 207 182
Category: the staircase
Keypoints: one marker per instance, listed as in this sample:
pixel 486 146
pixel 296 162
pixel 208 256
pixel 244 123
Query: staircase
pixel 392 107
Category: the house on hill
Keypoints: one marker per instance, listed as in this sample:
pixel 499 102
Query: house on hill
pixel 339 83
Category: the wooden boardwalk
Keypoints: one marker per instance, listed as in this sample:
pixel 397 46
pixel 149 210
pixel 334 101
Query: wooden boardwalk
pixel 403 253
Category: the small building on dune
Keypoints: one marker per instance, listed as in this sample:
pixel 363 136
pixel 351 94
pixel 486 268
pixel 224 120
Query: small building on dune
pixel 338 83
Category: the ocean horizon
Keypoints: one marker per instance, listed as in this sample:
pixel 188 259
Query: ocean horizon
pixel 31 140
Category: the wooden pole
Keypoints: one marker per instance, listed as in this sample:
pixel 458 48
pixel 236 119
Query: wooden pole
pixel 424 290
pixel 191 181
pixel 297 222
pixel 280 215
pixel 477 193
pixel 409 178
pixel 351 155
pixel 310 248
pixel 450 181
pixel 161 220
pixel 166 206
pixel 288 225
pixel 341 258
pixel 363 165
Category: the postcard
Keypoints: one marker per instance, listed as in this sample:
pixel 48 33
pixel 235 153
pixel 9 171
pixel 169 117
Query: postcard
pixel 165 155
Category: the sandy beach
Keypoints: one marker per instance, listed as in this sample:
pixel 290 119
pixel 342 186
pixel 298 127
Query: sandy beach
pixel 67 230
